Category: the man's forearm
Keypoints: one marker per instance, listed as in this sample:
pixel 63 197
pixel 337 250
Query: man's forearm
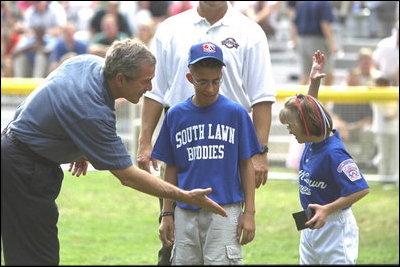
pixel 144 182
pixel 329 36
pixel 262 121
pixel 151 112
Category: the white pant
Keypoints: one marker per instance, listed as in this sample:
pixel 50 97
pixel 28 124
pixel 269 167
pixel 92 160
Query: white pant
pixel 335 243
pixel 206 238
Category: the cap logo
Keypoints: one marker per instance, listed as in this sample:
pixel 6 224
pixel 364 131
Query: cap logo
pixel 205 50
pixel 209 48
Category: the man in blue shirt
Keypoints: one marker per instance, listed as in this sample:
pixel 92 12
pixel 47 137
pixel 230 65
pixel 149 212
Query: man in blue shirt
pixel 70 118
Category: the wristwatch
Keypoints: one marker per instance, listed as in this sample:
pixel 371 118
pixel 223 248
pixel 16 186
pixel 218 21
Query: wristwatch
pixel 167 213
pixel 264 149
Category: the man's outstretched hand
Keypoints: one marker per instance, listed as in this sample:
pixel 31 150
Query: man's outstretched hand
pixel 198 197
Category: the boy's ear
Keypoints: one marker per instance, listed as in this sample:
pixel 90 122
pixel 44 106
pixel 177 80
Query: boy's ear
pixel 189 77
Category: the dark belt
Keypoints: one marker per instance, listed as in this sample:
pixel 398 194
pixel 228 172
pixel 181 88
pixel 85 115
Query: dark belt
pixel 32 154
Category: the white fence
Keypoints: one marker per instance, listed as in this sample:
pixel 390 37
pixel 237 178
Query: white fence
pixel 283 148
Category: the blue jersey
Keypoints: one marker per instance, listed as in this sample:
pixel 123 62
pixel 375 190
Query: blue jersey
pixel 328 172
pixel 206 145
pixel 71 114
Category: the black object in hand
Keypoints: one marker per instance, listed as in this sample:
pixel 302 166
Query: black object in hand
pixel 302 217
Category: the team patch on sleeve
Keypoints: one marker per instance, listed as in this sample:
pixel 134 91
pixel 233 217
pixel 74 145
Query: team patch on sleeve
pixel 350 168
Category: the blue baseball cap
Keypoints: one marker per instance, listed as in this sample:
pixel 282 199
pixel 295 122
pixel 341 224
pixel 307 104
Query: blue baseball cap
pixel 205 50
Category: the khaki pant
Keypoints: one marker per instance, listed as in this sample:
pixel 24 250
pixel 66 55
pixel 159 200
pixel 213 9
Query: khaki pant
pixel 205 238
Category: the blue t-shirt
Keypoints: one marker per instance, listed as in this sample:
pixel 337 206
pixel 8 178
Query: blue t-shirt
pixel 206 145
pixel 328 172
pixel 60 49
pixel 71 114
pixel 310 14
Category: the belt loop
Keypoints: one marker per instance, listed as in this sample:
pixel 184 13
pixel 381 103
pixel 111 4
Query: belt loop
pixel 6 131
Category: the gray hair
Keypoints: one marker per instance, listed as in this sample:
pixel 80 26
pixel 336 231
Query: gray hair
pixel 126 57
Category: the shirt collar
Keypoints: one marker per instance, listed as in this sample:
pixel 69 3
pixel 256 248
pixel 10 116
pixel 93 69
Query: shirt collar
pixel 326 140
pixel 227 19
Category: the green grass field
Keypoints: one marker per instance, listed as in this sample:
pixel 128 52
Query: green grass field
pixel 104 223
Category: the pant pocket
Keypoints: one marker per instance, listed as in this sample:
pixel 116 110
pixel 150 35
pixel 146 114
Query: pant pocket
pixel 186 253
pixel 234 254
pixel 46 181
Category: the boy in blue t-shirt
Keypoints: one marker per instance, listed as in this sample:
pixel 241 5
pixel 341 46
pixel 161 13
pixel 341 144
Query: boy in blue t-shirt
pixel 208 141
pixel 329 179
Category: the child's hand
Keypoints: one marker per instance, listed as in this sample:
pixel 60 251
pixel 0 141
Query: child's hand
pixel 246 228
pixel 319 218
pixel 167 231
pixel 317 66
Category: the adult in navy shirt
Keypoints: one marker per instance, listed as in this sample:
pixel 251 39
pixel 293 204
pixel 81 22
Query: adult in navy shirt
pixel 312 31
pixel 329 179
pixel 70 118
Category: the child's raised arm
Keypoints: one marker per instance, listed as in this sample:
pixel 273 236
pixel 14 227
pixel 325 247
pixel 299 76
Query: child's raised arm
pixel 316 74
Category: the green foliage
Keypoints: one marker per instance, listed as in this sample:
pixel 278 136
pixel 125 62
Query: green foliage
pixel 104 223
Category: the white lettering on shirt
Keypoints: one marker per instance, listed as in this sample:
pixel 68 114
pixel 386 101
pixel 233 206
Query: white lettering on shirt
pixel 195 133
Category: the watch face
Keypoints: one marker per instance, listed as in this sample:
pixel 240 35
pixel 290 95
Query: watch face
pixel 264 149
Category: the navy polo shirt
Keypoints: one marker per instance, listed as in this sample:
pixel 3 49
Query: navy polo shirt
pixel 310 14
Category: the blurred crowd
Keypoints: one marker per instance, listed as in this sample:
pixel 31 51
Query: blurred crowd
pixel 36 36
